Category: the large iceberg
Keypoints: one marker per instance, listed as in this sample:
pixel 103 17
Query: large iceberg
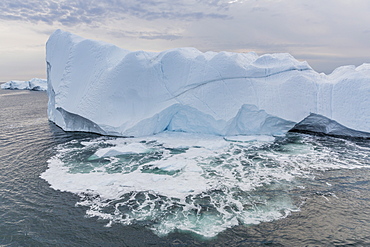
pixel 35 84
pixel 98 87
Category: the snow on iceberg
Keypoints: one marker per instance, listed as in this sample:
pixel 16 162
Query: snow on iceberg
pixel 35 84
pixel 97 87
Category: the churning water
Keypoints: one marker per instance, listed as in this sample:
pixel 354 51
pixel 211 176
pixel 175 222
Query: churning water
pixel 73 189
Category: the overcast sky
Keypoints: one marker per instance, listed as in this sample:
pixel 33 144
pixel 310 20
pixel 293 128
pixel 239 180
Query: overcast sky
pixel 326 33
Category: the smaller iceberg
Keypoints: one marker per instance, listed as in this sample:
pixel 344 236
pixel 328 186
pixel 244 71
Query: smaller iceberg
pixel 35 84
pixel 318 124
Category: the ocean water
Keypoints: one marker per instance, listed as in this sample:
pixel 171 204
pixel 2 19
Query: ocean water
pixel 175 189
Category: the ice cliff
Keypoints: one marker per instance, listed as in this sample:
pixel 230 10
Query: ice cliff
pixel 97 87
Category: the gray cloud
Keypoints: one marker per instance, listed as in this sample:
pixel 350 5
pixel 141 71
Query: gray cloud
pixel 325 33
pixel 145 35
pixel 74 12
pixel 160 36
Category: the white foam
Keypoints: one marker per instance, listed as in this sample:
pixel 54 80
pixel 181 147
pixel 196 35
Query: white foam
pixel 251 138
pixel 186 140
pixel 197 183
pixel 132 148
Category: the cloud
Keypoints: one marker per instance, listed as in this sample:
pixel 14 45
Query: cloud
pixel 75 12
pixel 326 33
pixel 149 35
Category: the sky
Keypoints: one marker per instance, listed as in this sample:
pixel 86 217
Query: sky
pixel 325 33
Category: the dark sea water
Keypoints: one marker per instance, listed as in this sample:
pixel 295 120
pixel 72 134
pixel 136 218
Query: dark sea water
pixel 321 199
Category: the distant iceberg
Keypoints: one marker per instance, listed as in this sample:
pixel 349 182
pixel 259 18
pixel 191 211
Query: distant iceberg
pixel 97 87
pixel 34 84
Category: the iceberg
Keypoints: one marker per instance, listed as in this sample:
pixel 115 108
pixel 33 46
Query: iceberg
pixel 35 84
pixel 98 87
pixel 317 124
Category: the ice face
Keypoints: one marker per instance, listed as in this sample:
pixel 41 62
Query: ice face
pixel 35 84
pixel 316 123
pixel 98 87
